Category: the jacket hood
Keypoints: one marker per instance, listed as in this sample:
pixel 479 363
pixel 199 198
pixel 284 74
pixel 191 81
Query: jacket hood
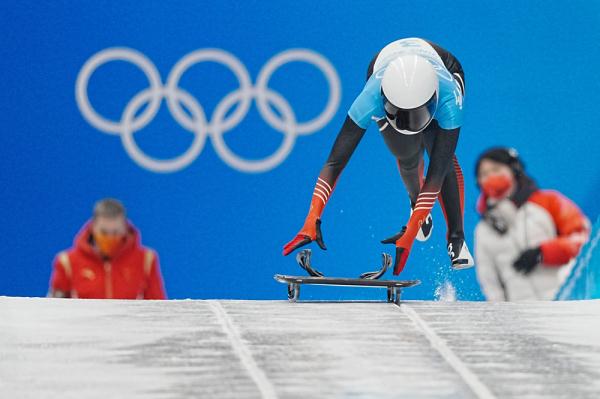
pixel 83 240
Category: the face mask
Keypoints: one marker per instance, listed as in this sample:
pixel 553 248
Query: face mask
pixel 109 245
pixel 497 186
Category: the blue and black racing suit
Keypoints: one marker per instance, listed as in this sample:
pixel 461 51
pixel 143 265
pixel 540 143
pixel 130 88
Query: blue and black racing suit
pixel 444 179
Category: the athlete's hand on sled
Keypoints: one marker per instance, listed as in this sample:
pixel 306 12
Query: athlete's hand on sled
pixel 406 237
pixel 309 233
pixel 395 237
pixel 403 241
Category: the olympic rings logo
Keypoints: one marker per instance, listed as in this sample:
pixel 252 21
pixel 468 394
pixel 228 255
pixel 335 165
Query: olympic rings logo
pixel 196 121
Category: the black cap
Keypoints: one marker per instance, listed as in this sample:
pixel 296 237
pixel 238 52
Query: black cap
pixel 506 155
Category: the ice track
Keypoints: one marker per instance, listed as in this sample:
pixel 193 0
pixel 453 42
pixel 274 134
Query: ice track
pixel 275 349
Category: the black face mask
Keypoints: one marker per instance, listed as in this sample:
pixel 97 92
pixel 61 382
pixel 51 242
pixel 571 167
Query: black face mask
pixel 411 120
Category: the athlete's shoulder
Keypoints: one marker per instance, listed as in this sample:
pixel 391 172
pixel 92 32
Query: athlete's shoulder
pixel 368 103
pixel 450 104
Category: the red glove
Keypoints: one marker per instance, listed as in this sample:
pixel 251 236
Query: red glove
pixel 404 241
pixel 311 231
pixel 401 251
pixel 406 237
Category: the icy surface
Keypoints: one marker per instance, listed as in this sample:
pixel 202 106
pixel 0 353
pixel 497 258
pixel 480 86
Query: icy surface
pixel 245 349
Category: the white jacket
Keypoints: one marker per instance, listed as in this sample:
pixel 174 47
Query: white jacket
pixel 548 220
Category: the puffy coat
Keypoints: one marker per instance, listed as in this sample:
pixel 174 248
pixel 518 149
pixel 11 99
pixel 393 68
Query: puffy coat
pixel 547 220
pixel 81 272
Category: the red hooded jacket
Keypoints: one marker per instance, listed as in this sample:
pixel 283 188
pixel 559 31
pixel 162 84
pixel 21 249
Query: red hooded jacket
pixel 133 273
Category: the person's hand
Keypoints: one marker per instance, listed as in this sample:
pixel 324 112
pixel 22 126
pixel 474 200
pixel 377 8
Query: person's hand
pixel 310 232
pixel 403 241
pixel 528 260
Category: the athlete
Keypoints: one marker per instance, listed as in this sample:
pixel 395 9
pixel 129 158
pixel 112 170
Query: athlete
pixel 414 92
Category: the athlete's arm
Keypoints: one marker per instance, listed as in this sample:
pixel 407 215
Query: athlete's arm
pixel 451 63
pixel 346 142
pixel 439 164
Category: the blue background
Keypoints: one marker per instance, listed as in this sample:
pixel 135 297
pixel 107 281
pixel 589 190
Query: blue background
pixel 532 83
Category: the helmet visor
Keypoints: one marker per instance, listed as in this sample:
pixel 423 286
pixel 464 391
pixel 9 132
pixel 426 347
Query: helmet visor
pixel 410 121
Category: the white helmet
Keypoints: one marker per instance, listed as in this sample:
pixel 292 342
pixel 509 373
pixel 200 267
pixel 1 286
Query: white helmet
pixel 410 93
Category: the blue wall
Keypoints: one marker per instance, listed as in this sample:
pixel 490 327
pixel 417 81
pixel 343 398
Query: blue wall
pixel 531 83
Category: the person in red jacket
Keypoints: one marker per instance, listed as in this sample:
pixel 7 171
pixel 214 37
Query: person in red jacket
pixel 528 238
pixel 107 260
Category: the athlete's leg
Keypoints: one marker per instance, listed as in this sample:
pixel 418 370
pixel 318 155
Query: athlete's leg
pixel 452 192
pixel 408 151
pixel 452 201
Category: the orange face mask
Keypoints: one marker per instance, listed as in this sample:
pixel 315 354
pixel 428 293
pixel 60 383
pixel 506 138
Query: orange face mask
pixel 497 186
pixel 109 244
